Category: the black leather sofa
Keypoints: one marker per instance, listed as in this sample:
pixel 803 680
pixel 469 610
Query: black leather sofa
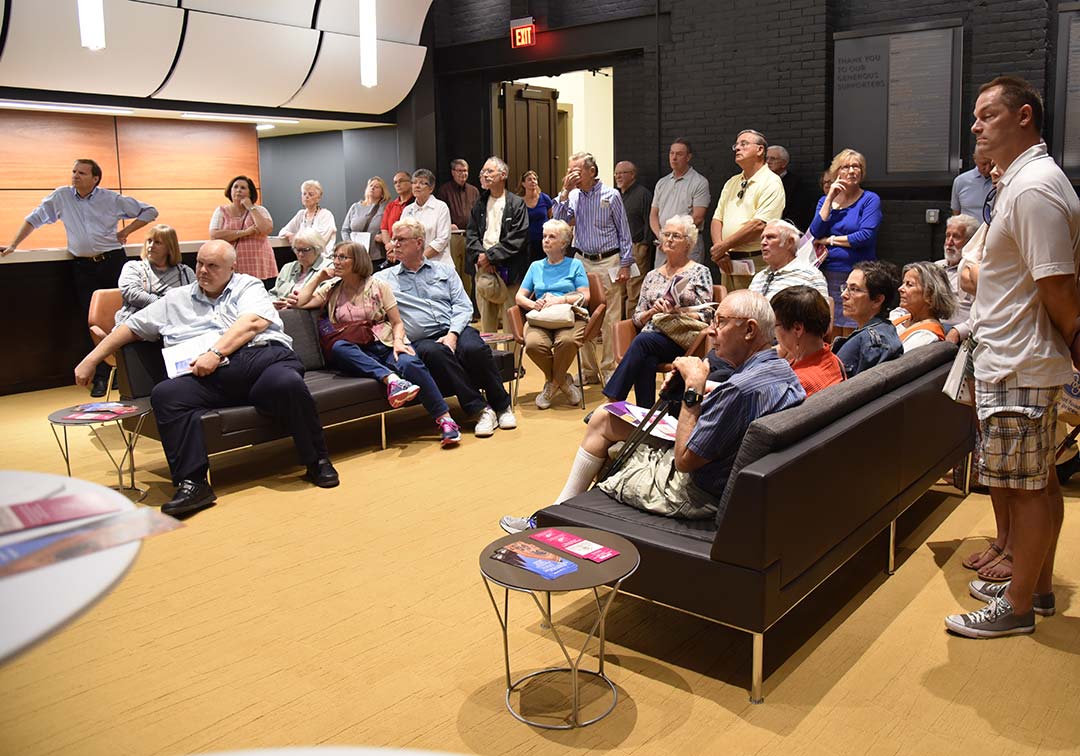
pixel 338 398
pixel 783 525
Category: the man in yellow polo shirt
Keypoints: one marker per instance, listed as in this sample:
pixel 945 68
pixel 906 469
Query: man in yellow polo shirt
pixel 748 201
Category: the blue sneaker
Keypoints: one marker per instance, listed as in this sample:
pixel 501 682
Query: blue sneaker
pixel 400 392
pixel 451 434
pixel 513 524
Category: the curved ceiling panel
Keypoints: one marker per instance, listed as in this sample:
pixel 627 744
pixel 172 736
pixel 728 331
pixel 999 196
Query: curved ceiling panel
pixel 43 50
pixel 215 66
pixel 397 20
pixel 292 12
pixel 334 83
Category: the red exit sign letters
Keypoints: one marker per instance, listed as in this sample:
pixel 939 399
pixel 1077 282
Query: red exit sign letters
pixel 523 35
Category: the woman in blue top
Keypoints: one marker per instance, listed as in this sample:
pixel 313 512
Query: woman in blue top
pixel 845 226
pixel 539 206
pixel 554 280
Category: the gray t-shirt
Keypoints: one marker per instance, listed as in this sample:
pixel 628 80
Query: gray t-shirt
pixel 679 196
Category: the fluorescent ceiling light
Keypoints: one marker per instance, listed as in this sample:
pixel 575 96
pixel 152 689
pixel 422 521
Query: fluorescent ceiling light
pixel 237 118
pixel 264 127
pixel 92 24
pixel 369 53
pixel 100 109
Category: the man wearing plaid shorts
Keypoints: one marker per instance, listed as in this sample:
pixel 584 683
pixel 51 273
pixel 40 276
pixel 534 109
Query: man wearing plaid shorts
pixel 1027 323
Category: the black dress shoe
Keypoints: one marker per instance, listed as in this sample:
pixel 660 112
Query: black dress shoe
pixel 322 474
pixel 1068 468
pixel 190 497
pixel 100 387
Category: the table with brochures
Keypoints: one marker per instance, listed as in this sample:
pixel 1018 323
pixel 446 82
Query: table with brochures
pixel 526 562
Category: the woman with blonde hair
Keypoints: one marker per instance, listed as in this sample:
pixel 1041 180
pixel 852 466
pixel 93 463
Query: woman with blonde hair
pixel 845 226
pixel 148 279
pixel 366 217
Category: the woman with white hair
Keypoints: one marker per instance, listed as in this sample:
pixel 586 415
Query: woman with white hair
pixel 311 215
pixel 308 246
pixel 678 284
pixel 926 299
pixel 557 279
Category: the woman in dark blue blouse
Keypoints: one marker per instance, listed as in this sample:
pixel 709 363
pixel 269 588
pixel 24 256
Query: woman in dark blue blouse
pixel 539 205
pixel 845 225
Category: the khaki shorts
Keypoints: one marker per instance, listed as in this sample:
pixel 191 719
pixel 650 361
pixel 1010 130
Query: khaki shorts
pixel 1016 426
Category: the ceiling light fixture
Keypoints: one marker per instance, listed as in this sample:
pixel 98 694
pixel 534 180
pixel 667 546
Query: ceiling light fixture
pixel 56 106
pixel 264 127
pixel 369 52
pixel 237 118
pixel 92 24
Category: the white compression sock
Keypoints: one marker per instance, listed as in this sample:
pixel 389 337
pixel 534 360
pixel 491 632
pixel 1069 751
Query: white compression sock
pixel 582 472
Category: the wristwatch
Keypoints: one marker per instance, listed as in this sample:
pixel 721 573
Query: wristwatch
pixel 220 356
pixel 691 397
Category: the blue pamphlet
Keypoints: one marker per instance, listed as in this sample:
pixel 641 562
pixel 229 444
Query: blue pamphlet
pixel 531 557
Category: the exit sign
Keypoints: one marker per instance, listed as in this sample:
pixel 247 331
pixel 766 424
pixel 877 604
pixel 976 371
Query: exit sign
pixel 523 35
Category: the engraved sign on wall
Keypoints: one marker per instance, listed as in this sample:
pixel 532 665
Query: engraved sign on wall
pixel 919 100
pixel 1071 156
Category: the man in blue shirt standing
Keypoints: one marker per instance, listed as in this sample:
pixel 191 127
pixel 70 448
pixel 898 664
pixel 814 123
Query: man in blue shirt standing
pixel 90 215
pixel 970 188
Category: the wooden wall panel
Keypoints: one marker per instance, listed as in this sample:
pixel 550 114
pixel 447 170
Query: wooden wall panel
pixel 38 149
pixel 175 154
pixel 186 210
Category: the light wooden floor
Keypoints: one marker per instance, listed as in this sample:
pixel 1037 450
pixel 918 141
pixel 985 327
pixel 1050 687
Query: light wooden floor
pixel 288 615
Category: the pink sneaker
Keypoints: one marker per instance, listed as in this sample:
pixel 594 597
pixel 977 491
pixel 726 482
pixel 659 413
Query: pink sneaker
pixel 400 392
pixel 451 433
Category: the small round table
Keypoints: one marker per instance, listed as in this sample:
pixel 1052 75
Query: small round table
pixel 142 409
pixel 35 603
pixel 589 576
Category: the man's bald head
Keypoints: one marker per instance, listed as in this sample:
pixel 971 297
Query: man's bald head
pixel 214 266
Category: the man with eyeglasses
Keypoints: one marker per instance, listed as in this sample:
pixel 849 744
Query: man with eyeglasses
pixel 782 269
pixel 602 241
pixel 394 209
pixel 970 188
pixel 1027 324
pixel 748 201
pixel 684 191
pixel 460 196
pixel 496 243
pixel 436 312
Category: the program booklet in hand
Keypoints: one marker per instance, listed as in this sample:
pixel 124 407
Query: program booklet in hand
pixel 575 545
pixel 529 556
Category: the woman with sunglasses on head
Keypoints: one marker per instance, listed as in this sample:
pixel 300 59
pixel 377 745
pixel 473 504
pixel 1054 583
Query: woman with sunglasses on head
pixel 867 296
pixel 308 246
pixel 845 225
pixel 368 335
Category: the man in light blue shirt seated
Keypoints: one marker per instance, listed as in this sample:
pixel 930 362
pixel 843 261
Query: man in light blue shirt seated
pixel 436 312
pixel 89 214
pixel 248 360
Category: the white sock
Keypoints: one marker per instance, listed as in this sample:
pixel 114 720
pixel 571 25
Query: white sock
pixel 582 472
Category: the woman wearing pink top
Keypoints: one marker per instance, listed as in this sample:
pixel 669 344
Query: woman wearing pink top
pixel 246 225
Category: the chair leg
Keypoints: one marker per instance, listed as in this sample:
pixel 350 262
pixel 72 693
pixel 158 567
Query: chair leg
pixel 112 377
pixel 581 379
pixel 755 672
pixel 892 547
pixel 969 464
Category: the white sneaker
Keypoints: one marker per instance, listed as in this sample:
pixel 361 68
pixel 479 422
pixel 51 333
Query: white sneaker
pixel 543 399
pixel 573 393
pixel 507 421
pixel 487 423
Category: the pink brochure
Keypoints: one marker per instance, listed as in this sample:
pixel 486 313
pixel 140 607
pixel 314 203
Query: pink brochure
pixel 572 544
pixel 46 511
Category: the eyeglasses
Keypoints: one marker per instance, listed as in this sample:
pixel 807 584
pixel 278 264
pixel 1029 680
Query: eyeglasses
pixel 853 167
pixel 673 235
pixel 723 320
pixel 742 188
pixel 852 290
pixel 988 206
pixel 490 171
pixel 403 239
pixel 744 143
pixel 343 257
pixel 303 250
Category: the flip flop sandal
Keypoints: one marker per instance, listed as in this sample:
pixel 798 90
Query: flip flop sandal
pixel 970 562
pixel 985 574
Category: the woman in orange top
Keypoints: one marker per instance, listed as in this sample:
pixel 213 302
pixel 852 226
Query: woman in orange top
pixel 926 298
pixel 802 320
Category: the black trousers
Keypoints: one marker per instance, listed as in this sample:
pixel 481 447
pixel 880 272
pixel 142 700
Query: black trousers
pixel 270 378
pixel 465 372
pixel 90 276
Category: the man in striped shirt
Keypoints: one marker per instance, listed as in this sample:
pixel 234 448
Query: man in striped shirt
pixel 782 269
pixel 602 241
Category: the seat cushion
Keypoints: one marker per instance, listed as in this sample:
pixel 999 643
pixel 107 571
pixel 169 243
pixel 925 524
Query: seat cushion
pixel 300 326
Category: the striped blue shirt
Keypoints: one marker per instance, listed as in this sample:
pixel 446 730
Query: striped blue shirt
pixel 599 221
pixel 90 221
pixel 763 384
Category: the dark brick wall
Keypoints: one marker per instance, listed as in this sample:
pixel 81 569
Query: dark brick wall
pixel 765 65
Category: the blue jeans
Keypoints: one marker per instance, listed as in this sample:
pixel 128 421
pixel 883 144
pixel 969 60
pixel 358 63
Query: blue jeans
pixel 376 360
pixel 638 367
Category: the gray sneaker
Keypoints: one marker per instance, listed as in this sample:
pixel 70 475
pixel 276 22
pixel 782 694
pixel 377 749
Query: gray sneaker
pixel 1041 603
pixel 994 620
pixel 512 524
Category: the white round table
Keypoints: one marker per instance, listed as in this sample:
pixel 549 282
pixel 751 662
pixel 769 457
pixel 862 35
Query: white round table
pixel 35 603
